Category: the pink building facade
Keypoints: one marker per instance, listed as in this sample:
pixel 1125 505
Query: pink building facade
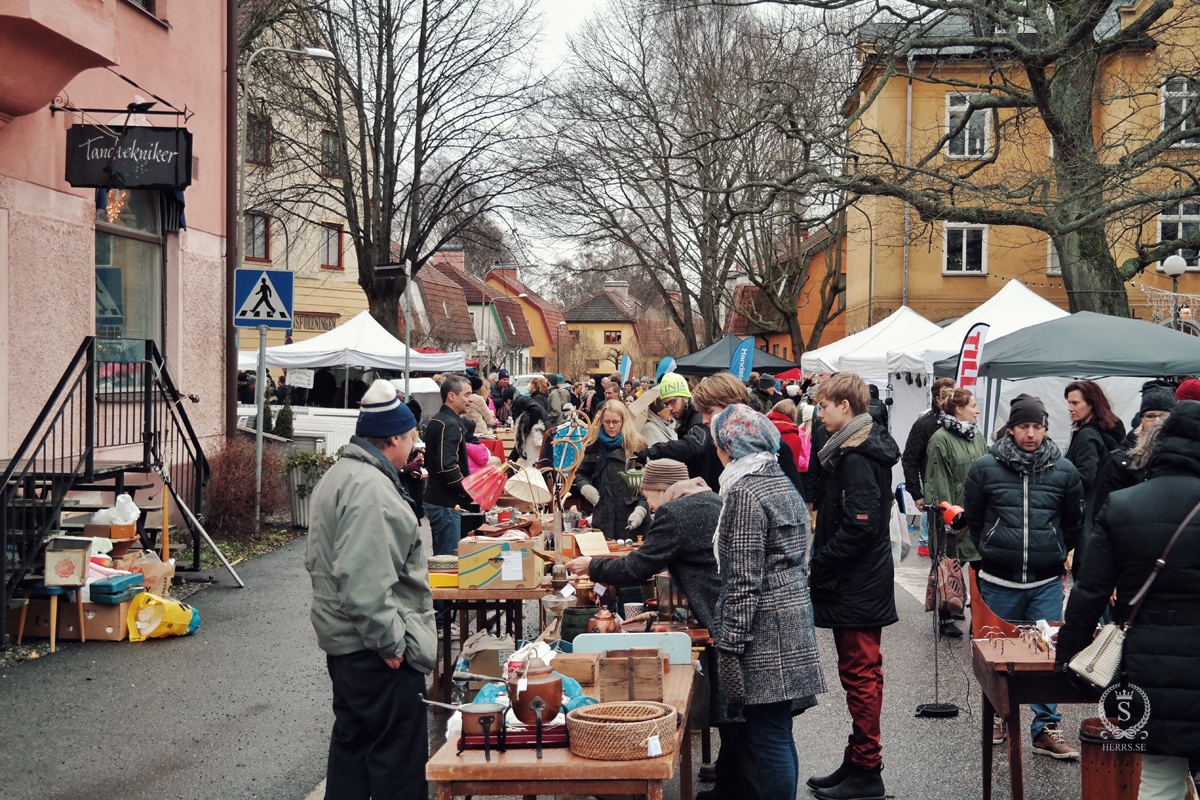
pixel 126 271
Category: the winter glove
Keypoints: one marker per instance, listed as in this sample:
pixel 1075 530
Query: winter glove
pixel 642 455
pixel 635 518
pixel 729 673
pixel 591 494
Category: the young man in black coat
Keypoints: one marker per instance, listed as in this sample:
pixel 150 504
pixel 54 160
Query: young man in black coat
pixel 852 576
pixel 446 461
pixel 1162 649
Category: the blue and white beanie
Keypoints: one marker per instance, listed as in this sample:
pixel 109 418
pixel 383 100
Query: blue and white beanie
pixel 381 414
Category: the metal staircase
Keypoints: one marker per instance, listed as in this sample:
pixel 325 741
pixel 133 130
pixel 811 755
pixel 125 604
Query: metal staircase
pixel 104 421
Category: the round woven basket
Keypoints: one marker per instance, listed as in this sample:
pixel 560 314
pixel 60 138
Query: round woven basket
pixel 621 731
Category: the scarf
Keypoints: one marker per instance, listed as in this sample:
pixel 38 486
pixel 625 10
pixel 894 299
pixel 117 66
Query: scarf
pixel 609 443
pixel 1022 461
pixel 829 451
pixel 738 469
pixel 959 427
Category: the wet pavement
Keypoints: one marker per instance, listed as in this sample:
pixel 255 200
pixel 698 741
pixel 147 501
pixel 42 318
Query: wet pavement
pixel 241 708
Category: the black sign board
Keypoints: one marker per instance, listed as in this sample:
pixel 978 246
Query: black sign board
pixel 139 158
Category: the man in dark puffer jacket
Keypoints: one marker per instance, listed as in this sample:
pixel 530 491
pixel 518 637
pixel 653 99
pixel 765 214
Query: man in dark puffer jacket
pixel 852 575
pixel 1162 650
pixel 1024 511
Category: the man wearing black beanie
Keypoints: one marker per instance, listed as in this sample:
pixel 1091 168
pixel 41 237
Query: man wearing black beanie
pixel 1024 512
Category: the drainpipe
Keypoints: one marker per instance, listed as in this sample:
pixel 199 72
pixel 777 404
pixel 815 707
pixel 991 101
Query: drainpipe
pixel 232 246
pixel 907 164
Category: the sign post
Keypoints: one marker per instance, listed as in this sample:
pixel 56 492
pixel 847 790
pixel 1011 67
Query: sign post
pixel 262 299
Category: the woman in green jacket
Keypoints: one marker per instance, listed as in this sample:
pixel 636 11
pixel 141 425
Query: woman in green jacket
pixel 954 447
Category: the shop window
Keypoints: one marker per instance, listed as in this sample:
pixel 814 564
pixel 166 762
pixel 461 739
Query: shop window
pixel 258 140
pixel 1179 109
pixel 129 275
pixel 331 246
pixel 1181 222
pixel 971 141
pixel 965 250
pixel 612 337
pixel 330 155
pixel 258 238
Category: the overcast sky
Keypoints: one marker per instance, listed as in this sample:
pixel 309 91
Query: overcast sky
pixel 562 17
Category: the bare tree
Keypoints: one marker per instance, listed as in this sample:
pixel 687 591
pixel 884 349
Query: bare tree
pixel 1076 118
pixel 418 133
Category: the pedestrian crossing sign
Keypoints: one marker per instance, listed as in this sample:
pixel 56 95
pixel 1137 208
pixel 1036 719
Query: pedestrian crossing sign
pixel 262 297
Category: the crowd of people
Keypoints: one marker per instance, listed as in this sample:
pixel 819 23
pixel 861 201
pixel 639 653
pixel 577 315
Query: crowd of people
pixel 770 505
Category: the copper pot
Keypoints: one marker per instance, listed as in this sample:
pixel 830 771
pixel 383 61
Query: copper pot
pixel 604 622
pixel 474 713
pixel 540 681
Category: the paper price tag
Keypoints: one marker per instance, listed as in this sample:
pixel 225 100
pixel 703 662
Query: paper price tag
pixel 653 747
pixel 510 567
pixel 568 590
pixel 600 590
pixel 522 685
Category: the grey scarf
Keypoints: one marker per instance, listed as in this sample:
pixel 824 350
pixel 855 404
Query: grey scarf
pixel 829 451
pixel 1022 461
pixel 959 427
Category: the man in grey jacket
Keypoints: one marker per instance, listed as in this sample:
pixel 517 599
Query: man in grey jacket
pixel 372 608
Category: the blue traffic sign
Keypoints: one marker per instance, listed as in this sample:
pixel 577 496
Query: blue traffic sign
pixel 263 297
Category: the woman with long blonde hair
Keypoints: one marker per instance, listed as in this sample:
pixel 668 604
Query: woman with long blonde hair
pixel 611 442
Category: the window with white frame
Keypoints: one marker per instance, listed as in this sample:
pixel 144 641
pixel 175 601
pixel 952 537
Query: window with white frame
pixel 1181 222
pixel 965 249
pixel 1053 267
pixel 972 140
pixel 331 246
pixel 1179 109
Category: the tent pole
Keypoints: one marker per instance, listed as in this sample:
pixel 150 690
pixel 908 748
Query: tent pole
pixel 346 389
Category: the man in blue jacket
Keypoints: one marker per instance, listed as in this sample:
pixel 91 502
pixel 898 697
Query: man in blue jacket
pixel 1024 511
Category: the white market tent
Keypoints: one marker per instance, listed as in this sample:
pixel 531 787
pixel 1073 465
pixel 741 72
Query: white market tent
pixel 1012 308
pixel 360 342
pixel 867 349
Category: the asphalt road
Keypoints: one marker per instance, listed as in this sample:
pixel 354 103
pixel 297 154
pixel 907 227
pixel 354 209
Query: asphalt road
pixel 241 708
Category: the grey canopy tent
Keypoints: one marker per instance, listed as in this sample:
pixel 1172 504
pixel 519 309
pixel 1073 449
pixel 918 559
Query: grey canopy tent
pixel 1085 345
pixel 716 357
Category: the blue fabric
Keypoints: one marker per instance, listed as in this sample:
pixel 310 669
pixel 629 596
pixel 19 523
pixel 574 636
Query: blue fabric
pixel 445 525
pixel 768 733
pixel 382 424
pixel 1028 605
pixel 609 443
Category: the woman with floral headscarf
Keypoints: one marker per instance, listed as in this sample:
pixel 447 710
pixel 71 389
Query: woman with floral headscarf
pixel 767 657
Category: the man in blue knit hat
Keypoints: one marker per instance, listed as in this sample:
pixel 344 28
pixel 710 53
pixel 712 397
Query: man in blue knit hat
pixel 372 608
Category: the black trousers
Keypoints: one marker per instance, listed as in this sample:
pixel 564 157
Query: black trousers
pixel 380 742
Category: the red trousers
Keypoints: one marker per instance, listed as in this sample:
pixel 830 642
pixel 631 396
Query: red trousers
pixel 860 668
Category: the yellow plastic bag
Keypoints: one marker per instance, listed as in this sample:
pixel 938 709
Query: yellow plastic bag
pixel 153 617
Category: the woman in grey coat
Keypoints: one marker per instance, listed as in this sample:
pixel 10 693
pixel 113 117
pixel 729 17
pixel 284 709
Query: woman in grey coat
pixel 766 642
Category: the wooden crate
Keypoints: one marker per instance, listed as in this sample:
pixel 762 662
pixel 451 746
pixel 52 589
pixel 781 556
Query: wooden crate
pixel 632 674
pixel 580 666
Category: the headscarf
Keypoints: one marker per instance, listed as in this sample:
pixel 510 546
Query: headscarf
pixel 741 431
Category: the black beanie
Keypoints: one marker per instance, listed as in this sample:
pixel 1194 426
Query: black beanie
pixel 1027 408
pixel 476 382
pixel 1157 398
pixel 552 378
pixel 766 381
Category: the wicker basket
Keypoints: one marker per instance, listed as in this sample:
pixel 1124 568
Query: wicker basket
pixel 620 731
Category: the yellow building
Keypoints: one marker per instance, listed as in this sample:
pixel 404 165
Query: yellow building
pixel 943 270
pixel 546 322
pixel 613 324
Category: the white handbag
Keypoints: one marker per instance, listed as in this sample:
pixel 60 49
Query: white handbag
pixel 1098 663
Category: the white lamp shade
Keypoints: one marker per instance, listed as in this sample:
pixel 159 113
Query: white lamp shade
pixel 1174 266
pixel 319 53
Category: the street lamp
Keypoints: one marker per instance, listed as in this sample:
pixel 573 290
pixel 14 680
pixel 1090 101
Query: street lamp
pixel 317 54
pixel 1174 265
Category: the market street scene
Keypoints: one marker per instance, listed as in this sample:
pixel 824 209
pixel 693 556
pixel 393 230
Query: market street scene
pixel 419 399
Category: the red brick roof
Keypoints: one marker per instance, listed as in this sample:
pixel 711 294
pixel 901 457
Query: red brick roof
pixel 474 290
pixel 605 307
pixel 445 306
pixel 551 316
pixel 512 321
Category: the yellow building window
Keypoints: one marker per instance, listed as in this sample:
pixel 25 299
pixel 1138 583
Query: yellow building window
pixel 612 337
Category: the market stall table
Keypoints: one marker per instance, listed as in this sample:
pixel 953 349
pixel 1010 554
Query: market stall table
pixel 1012 675
pixel 560 772
pixel 508 601
pixel 496 448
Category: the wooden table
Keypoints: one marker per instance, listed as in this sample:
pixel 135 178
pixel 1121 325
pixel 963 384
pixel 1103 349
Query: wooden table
pixel 560 772
pixel 1011 676
pixel 509 601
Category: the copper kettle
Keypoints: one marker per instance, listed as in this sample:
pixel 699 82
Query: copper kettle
pixel 540 681
pixel 604 622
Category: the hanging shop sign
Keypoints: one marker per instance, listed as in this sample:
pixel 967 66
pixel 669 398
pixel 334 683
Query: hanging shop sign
pixel 130 158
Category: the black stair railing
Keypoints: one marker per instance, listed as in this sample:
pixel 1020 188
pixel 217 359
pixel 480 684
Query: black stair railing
pixel 103 417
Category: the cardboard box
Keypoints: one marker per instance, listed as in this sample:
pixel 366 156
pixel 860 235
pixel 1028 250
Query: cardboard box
pixel 499 565
pixel 443 580
pixel 101 623
pixel 66 560
pixel 157 574
pixel 580 666
pixel 487 655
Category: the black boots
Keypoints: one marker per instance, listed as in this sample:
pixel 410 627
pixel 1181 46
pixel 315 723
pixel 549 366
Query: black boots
pixel 860 784
pixel 830 780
